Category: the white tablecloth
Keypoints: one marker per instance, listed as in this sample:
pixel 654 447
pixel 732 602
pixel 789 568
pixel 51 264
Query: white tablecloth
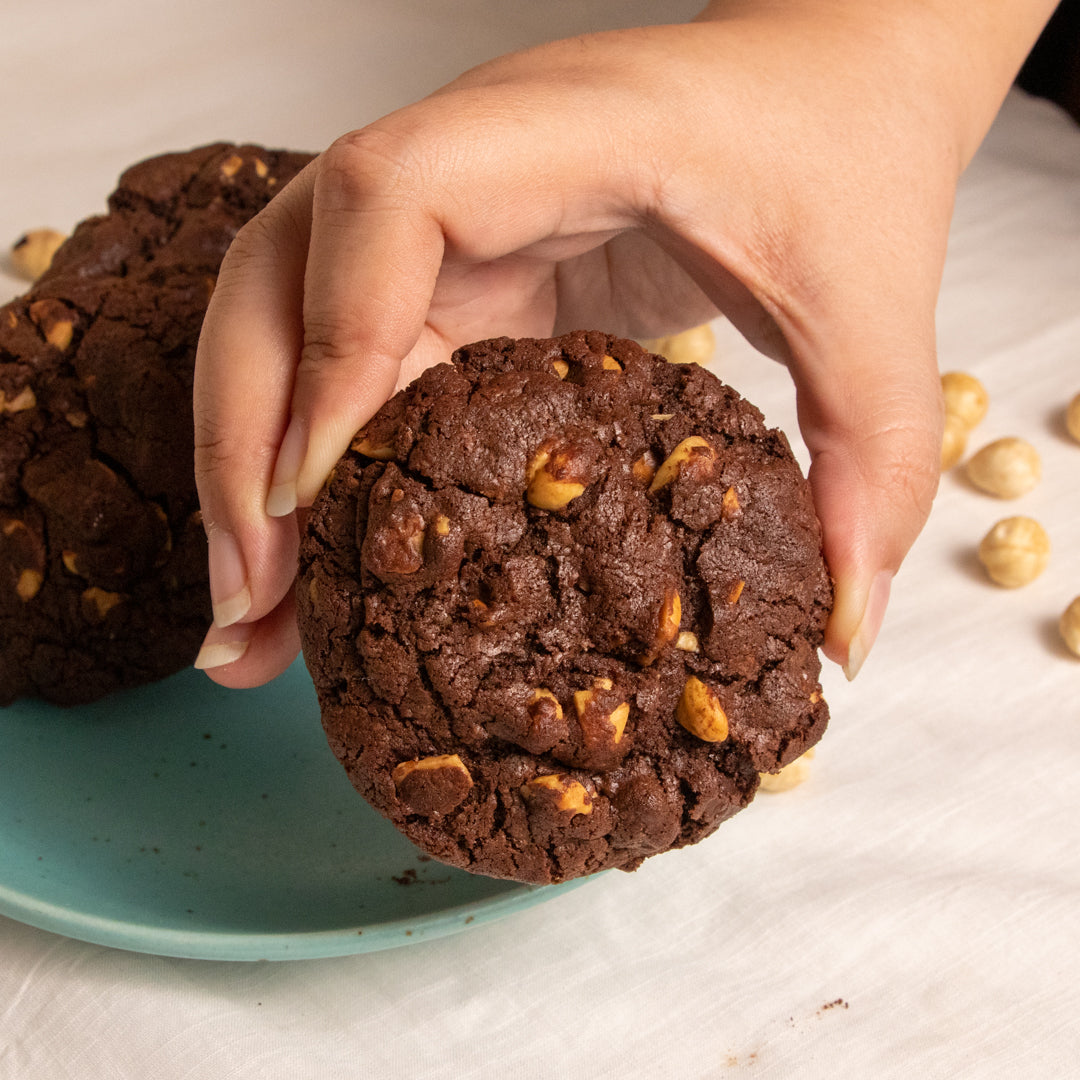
pixel 912 910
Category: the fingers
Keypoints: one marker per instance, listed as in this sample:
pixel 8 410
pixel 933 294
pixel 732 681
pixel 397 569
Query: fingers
pixel 373 260
pixel 854 323
pixel 243 376
pixel 249 654
pixel 870 411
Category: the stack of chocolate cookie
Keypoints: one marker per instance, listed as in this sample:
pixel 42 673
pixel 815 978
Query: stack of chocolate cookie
pixel 103 580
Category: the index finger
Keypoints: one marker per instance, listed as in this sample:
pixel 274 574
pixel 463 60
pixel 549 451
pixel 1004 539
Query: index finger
pixel 247 355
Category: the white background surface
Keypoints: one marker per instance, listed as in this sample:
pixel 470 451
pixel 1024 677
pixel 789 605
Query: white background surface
pixel 926 877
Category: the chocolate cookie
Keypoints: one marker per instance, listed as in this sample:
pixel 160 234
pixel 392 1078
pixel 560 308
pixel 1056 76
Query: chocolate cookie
pixel 561 602
pixel 102 555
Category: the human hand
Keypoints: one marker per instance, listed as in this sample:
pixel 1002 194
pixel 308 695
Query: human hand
pixel 790 167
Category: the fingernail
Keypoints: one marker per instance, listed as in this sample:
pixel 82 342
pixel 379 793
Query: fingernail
pixel 877 599
pixel 322 452
pixel 229 593
pixel 215 654
pixel 281 498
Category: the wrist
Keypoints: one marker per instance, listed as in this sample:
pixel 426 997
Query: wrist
pixel 964 53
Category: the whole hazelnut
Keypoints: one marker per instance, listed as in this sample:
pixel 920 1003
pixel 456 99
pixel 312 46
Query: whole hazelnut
pixel 32 254
pixel 1069 625
pixel 694 346
pixel 791 775
pixel 1015 551
pixel 965 397
pixel 1007 468
pixel 1072 418
pixel 953 441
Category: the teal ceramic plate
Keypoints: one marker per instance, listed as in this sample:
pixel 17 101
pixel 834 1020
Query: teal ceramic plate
pixel 183 819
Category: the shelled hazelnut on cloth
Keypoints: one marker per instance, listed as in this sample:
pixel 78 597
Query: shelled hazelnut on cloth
pixel 32 253
pixel 694 346
pixel 1007 468
pixel 965 397
pixel 953 442
pixel 790 776
pixel 1015 551
pixel 1072 418
pixel 1069 625
pixel 966 402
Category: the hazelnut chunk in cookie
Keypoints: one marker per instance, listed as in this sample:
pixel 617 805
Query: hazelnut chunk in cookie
pixel 432 785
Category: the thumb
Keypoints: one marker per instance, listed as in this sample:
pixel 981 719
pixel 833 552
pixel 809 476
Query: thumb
pixel 871 417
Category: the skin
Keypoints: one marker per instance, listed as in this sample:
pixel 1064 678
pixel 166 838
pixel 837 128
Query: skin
pixel 790 165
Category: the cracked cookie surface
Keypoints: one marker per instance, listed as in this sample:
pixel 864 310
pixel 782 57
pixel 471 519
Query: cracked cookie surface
pixel 561 602
pixel 103 580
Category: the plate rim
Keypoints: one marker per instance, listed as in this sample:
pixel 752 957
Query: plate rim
pixel 285 945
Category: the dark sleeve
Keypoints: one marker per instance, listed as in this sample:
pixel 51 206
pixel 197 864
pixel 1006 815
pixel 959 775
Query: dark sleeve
pixel 1052 70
